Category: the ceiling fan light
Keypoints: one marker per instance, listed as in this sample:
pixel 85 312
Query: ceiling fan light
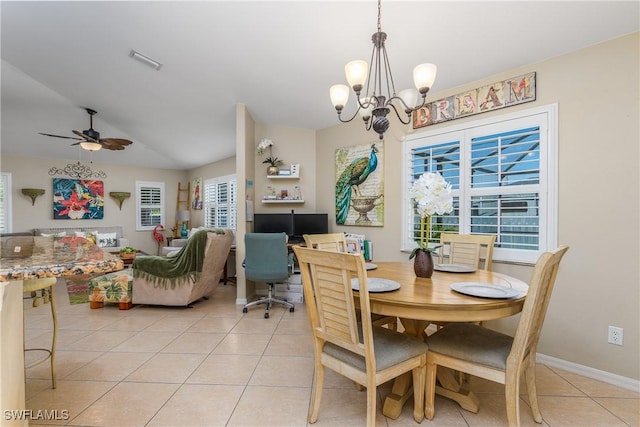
pixel 90 146
pixel 356 72
pixel 423 77
pixel 339 96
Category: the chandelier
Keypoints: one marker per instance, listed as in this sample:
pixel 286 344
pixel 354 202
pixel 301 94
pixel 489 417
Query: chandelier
pixel 377 103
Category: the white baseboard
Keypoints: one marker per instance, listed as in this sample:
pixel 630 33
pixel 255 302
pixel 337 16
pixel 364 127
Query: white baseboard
pixel 586 371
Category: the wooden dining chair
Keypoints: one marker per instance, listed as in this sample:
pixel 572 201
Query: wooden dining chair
pixel 495 356
pixel 467 249
pixel 336 242
pixel 369 355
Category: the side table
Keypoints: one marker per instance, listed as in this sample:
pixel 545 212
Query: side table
pixel 128 261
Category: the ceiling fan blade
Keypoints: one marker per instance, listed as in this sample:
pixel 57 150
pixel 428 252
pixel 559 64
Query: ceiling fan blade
pixel 85 137
pixel 59 136
pixel 115 141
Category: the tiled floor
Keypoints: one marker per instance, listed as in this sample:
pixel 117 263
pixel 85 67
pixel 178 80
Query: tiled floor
pixel 212 365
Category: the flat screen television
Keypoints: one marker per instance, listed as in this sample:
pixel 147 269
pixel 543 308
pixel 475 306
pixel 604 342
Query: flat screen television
pixel 273 223
pixel 310 223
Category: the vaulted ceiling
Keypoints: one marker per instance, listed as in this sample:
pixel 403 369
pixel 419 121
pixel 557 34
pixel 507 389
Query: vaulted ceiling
pixel 279 58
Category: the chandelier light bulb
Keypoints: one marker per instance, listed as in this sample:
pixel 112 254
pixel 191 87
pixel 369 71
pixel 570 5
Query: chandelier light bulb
pixel 365 113
pixel 356 72
pixel 339 96
pixel 410 99
pixel 423 77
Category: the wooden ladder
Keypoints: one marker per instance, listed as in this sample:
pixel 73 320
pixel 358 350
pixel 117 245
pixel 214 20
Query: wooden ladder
pixel 183 203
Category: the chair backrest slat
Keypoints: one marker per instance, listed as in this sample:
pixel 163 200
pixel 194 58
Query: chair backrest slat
pixel 468 249
pixel 335 242
pixel 326 280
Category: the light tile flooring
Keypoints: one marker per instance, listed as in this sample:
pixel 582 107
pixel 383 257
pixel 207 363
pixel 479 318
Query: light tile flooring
pixel 212 365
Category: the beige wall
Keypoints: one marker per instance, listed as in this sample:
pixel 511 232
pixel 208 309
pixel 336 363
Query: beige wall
pixel 33 172
pixel 596 90
pixel 292 145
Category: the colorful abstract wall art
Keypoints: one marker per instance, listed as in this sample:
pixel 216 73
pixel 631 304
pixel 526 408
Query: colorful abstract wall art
pixel 78 199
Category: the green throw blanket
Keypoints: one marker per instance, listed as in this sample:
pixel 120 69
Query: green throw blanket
pixel 166 272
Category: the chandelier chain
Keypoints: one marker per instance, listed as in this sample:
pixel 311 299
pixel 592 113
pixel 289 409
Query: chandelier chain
pixel 379 15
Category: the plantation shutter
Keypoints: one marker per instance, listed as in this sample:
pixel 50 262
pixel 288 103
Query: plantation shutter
pixel 503 174
pixel 150 205
pixel 220 203
pixel 5 203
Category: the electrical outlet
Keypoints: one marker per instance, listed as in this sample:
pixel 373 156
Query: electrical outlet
pixel 615 335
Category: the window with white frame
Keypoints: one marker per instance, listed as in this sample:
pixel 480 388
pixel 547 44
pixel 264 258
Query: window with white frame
pixel 503 173
pixel 220 202
pixel 149 205
pixel 5 202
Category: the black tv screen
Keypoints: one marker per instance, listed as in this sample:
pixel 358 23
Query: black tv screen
pixel 311 223
pixel 273 223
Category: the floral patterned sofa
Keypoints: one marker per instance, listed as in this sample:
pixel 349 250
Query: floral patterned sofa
pixel 110 239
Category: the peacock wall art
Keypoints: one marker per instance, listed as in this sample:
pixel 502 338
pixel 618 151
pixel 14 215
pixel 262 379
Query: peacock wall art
pixel 360 185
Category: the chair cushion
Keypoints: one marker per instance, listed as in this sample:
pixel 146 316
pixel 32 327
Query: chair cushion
pixel 473 343
pixel 390 348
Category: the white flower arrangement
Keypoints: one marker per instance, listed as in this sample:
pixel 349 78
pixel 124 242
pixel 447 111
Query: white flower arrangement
pixel 262 147
pixel 432 194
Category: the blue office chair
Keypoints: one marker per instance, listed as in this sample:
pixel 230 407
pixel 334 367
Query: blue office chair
pixel 266 260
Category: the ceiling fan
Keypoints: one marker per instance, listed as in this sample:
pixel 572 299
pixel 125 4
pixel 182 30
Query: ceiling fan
pixel 90 138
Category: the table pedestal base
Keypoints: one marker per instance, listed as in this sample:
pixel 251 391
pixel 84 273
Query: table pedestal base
pixel 449 385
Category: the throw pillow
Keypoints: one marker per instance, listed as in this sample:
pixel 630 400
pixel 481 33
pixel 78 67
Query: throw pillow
pixel 89 235
pixel 60 234
pixel 107 240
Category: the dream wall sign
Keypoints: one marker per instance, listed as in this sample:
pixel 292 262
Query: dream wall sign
pixel 506 93
pixel 78 199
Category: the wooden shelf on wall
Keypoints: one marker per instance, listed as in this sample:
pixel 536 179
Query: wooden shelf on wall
pixel 295 173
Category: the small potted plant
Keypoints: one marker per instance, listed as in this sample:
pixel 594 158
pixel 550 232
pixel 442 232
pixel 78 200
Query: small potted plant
pixel 272 161
pixel 127 252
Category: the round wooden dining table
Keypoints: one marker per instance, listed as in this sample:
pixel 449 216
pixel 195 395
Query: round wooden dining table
pixel 421 301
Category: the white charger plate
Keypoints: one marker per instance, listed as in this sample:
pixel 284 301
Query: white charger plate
pixel 370 266
pixel 376 284
pixel 454 268
pixel 484 290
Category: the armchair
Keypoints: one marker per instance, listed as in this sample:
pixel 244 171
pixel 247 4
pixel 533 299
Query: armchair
pixel 190 275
